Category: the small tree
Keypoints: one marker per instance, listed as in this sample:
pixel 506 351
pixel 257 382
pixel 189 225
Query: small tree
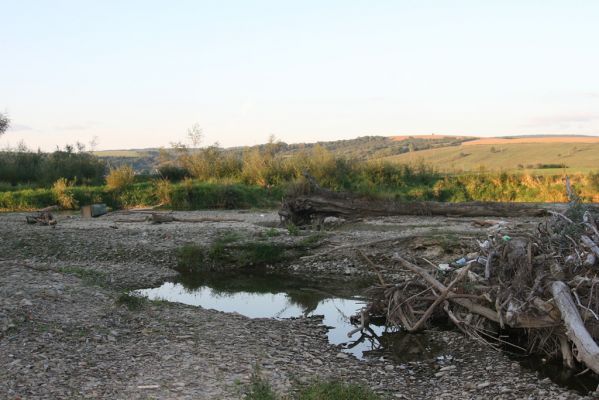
pixel 4 123
pixel 195 134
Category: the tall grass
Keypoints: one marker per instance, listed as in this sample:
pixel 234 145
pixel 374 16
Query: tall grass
pixel 259 178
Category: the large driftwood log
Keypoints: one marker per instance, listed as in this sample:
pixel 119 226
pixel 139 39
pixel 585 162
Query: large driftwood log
pixel 587 350
pixel 305 209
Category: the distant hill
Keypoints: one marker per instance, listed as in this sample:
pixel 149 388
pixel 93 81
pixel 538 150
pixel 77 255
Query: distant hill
pixel 575 153
pixel 446 153
pixel 362 148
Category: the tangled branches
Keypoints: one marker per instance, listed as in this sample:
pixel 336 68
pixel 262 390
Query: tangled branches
pixel 541 284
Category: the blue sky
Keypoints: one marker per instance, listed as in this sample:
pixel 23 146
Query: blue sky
pixel 139 73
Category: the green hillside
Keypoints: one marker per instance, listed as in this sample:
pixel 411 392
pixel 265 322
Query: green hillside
pixel 576 157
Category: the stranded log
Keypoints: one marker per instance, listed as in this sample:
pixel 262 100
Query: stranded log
pixel 587 350
pixel 306 209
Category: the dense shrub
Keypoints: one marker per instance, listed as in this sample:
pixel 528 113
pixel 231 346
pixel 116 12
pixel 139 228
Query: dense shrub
pixel 63 194
pixel 120 178
pixel 173 173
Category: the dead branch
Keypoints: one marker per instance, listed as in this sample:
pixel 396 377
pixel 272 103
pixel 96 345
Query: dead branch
pixel 440 299
pixel 373 266
pixel 587 349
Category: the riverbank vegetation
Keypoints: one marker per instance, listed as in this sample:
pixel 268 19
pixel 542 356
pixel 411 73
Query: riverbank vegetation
pixel 256 178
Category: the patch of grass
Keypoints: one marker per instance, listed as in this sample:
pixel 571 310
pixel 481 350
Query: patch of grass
pixel 334 390
pixel 260 389
pixel 263 253
pixel 132 301
pixel 293 229
pixel 311 241
pixel 272 232
pixel 89 277
pixel 230 249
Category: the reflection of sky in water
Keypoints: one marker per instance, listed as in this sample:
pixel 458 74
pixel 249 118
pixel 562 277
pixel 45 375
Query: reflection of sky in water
pixel 336 311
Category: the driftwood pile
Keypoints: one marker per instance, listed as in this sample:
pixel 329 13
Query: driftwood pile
pixel 43 217
pixel 541 285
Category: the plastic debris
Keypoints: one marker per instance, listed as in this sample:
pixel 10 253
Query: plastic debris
pixel 444 267
pixel 461 262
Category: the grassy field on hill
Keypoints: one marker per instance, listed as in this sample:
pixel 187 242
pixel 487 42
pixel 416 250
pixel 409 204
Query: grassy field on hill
pixel 540 157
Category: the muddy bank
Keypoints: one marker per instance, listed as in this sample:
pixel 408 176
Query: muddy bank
pixel 65 334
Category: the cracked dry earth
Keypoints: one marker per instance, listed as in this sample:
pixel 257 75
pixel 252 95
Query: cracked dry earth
pixel 64 335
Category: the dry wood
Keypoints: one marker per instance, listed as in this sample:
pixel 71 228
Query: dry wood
pixel 43 217
pixel 567 357
pixel 588 220
pixel 363 323
pixel 587 350
pixel 466 303
pixel 590 244
pixel 373 266
pixel 302 210
pixel 157 218
pixel 524 289
pixel 444 293
pixel 489 264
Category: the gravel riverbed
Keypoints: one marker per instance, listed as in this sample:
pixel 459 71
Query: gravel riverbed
pixel 64 334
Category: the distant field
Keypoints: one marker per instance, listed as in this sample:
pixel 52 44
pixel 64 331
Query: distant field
pixel 541 139
pixel 430 137
pixel 119 153
pixel 508 155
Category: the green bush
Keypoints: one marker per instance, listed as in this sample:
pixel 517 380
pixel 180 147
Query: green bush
pixel 120 178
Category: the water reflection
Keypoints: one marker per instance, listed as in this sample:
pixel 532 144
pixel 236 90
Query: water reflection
pixel 260 294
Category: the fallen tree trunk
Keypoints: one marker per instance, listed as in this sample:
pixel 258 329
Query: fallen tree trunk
pixel 587 350
pixel 305 209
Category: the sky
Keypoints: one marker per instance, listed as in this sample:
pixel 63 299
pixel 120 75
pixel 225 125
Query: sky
pixel 138 74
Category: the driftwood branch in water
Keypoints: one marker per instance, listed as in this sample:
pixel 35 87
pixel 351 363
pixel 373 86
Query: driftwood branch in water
pixel 587 350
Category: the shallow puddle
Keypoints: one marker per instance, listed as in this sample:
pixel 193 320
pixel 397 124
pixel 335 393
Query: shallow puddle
pixel 260 294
